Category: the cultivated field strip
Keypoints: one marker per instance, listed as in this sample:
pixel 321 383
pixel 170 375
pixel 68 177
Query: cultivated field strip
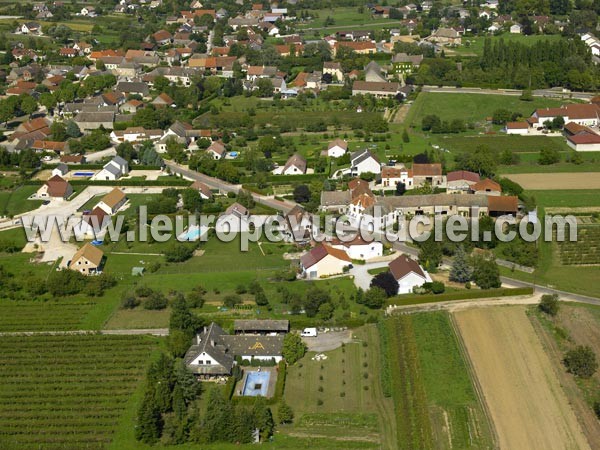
pixel 526 401
pixel 586 250
pixel 67 391
pixel 40 316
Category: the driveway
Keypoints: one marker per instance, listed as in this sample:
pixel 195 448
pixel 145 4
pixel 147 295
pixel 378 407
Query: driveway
pixel 330 340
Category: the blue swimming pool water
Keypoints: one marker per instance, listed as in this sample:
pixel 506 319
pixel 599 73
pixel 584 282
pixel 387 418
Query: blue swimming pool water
pixel 83 174
pixel 257 383
pixel 192 234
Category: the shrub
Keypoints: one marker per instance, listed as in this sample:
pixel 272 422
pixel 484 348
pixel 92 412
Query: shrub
pixel 581 361
pixel 549 304
pixel 319 402
pixel 178 252
pixel 232 300
pixel 155 301
pixel 130 302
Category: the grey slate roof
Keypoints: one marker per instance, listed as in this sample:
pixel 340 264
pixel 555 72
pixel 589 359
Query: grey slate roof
pixel 211 341
pixel 261 325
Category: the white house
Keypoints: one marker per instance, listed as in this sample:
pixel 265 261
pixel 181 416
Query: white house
pixel 295 165
pixel 520 128
pixel 324 260
pixel 392 176
pixel 408 273
pixel 360 249
pixel 60 170
pixel 362 161
pixel 92 225
pixel 216 150
pixel 113 170
pixel 112 201
pixel 516 28
pixel 337 148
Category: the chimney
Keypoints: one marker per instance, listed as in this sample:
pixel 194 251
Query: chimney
pixel 213 343
pixel 198 340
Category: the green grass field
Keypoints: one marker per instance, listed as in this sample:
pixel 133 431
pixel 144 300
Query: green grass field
pixel 470 107
pixel 16 202
pixel 67 391
pixel 567 198
pixel 426 374
pixel 474 45
pixel 353 407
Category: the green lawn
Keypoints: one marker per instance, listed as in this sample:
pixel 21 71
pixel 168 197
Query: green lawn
pixel 567 198
pixel 474 45
pixel 470 107
pixel 353 406
pixel 450 392
pixel 342 16
pixel 16 202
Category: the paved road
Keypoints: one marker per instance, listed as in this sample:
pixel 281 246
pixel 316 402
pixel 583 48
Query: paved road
pixel 513 92
pixel 216 183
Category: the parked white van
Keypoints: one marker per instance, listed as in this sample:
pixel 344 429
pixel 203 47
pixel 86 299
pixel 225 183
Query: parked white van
pixel 309 332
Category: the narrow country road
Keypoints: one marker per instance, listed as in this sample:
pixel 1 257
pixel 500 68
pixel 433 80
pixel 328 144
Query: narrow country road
pixel 216 183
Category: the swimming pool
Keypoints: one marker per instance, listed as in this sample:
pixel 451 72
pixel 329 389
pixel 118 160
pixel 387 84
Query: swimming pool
pixel 83 174
pixel 257 383
pixel 193 233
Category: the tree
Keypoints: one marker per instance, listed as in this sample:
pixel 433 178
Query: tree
pixel 246 199
pixel 263 418
pixel 375 297
pixel 192 200
pixel 177 252
pixel 430 254
pixel 294 348
pixel 461 270
pixel 581 361
pixel 232 300
pixel 58 131
pixel 405 137
pixel 387 282
pixel 155 301
pixel 285 414
pixel 72 129
pixel 400 188
pixel 265 87
pixel 549 304
pixel 28 104
pixel 549 156
pixel 149 423
pixel 501 116
pixel 482 160
pixel 182 318
pixel 486 273
pixel 302 194
pixel 314 298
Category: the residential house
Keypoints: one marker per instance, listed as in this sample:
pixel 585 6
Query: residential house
pixel 295 165
pixel 460 181
pixel 428 174
pixel 60 170
pixel 87 260
pixel 88 120
pixel 520 128
pixel 445 36
pixel 323 261
pixel 56 188
pixel 92 224
pixel 360 47
pixel 298 224
pixel 113 170
pixel 486 187
pixel 334 69
pixel 408 274
pixel 374 73
pixel 362 161
pixel 112 201
pixel 377 89
pixel 30 28
pixel 50 146
pixel 163 101
pixel 404 64
pixel 213 352
pixel 587 114
pixel 516 28
pixel 336 148
pixel 203 189
pixel 391 176
pixel 217 150
pixel 73 159
pixel 359 249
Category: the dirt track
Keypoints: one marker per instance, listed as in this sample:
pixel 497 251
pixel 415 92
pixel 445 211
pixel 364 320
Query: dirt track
pixel 526 402
pixel 546 181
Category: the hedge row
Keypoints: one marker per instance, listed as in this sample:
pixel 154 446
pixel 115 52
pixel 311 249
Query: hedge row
pixel 287 178
pixel 280 384
pixel 171 181
pixel 416 299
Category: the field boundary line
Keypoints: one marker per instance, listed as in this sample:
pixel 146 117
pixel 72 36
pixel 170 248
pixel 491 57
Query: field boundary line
pixel 475 380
